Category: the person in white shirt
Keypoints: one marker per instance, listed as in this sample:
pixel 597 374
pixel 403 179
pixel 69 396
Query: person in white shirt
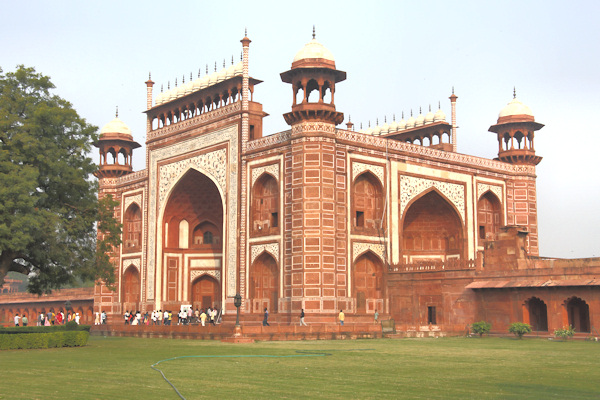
pixel 17 319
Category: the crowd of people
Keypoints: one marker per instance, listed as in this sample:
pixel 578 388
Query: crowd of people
pixel 49 318
pixel 185 316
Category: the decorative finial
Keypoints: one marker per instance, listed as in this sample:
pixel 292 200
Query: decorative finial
pixel 452 89
pixel 241 56
pixel 117 113
pixel 420 112
pixel 246 32
pixel 206 69
pixel 314 32
pixel 430 108
pixel 215 66
pixel 232 59
pixel 402 114
pixel 376 121
pixel 514 92
pixel 191 76
pixel 199 72
pixel 361 126
pixel 161 87
pixel 394 117
pixel 168 85
pixel 369 123
pixel 183 80
pixel 223 63
pixel 385 119
pixel 411 112
pixel 175 82
pixel 349 118
pixel 439 105
pixel 149 76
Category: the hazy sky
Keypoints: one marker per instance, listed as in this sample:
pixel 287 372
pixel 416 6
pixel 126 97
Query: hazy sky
pixel 399 55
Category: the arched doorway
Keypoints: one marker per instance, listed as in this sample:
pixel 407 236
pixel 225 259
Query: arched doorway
pixel 536 314
pixel 192 233
pixel 367 204
pixel 367 283
pixel 432 230
pixel 206 292
pixel 578 313
pixel 131 289
pixel 489 217
pixel 264 284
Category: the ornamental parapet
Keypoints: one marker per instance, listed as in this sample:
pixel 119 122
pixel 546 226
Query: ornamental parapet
pixel 422 151
pixel 268 141
pixel 203 118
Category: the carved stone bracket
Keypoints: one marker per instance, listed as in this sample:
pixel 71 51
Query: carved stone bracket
pixel 306 127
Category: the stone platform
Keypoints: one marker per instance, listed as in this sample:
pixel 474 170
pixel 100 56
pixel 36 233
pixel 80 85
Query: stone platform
pixel 252 332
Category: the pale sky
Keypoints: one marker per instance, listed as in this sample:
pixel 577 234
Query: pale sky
pixel 399 55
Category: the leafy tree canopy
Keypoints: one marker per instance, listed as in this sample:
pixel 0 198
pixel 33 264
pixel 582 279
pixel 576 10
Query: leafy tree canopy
pixel 48 200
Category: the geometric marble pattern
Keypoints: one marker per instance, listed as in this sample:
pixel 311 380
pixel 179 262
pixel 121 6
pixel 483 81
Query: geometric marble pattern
pixel 359 248
pixel 258 249
pixel 484 187
pixel 411 187
pixel 272 169
pixel 358 168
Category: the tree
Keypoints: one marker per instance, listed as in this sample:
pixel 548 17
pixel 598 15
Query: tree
pixel 48 200
pixel 481 328
pixel 519 329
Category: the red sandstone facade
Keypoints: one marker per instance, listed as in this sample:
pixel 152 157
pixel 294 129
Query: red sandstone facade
pixel 391 218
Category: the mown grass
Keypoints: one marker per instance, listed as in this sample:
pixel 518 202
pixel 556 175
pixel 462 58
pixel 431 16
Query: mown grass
pixel 449 368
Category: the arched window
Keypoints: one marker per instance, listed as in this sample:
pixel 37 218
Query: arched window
pixel 367 204
pixel 132 229
pixel 368 287
pixel 489 216
pixel 264 210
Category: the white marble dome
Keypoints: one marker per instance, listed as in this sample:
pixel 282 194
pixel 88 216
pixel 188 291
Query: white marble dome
pixel 314 49
pixel 515 107
pixel 116 126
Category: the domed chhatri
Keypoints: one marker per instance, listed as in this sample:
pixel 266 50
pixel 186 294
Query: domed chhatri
pixel 515 130
pixel 313 70
pixel 116 126
pixel 116 149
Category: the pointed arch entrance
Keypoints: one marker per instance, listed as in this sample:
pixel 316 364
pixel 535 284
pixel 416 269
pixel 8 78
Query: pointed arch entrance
pixel 192 240
pixel 264 284
pixel 535 314
pixel 131 289
pixel 578 314
pixel 367 284
pixel 432 230
pixel 206 292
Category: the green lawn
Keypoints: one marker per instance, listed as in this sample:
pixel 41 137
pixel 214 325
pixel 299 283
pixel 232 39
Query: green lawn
pixel 488 368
